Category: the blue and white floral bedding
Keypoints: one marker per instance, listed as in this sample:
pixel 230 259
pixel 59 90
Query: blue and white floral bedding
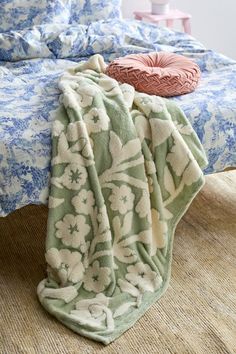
pixel 21 14
pixel 32 60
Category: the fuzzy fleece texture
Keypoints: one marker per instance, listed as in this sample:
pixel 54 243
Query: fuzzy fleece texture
pixel 125 167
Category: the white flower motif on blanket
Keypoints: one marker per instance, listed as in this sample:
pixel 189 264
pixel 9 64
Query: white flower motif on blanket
pixel 94 312
pixel 74 176
pixel 142 126
pixel 192 173
pixel 57 128
pixel 161 130
pixel 184 129
pixel 143 207
pixel 109 85
pixel 178 157
pixel 149 104
pixel 77 133
pixel 159 232
pixel 183 164
pixel 87 94
pixel 124 239
pixel 124 156
pixel 54 202
pixel 122 199
pixel 82 96
pixel 150 184
pixel 96 278
pixel 142 276
pixel 103 220
pixel 69 153
pixel 150 167
pixel 128 94
pixel 72 230
pixel 65 265
pixel 83 202
pixel 96 120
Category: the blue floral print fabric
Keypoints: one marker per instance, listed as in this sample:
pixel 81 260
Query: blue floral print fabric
pixel 87 11
pixel 20 14
pixel 31 63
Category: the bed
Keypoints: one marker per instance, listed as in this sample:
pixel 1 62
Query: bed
pixel 31 61
pixel 123 166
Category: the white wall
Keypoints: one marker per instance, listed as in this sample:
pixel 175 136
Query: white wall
pixel 215 26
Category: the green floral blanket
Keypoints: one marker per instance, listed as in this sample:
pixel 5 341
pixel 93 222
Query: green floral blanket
pixel 125 167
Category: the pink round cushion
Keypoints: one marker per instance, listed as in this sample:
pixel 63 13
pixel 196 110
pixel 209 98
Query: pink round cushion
pixel 160 73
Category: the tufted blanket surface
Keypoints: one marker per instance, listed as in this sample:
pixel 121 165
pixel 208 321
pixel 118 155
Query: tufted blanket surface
pixel 125 166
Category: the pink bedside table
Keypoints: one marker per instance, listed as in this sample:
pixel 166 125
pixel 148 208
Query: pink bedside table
pixel 172 15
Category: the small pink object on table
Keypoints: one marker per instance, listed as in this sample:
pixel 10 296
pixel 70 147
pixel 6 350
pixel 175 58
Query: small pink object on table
pixel 170 17
pixel 158 73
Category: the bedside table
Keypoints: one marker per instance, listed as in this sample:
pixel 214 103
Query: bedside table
pixel 172 15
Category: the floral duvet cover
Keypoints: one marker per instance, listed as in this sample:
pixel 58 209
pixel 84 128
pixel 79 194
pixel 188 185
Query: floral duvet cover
pixel 31 62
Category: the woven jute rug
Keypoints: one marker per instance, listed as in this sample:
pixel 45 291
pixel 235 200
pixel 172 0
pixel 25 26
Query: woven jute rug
pixel 196 315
